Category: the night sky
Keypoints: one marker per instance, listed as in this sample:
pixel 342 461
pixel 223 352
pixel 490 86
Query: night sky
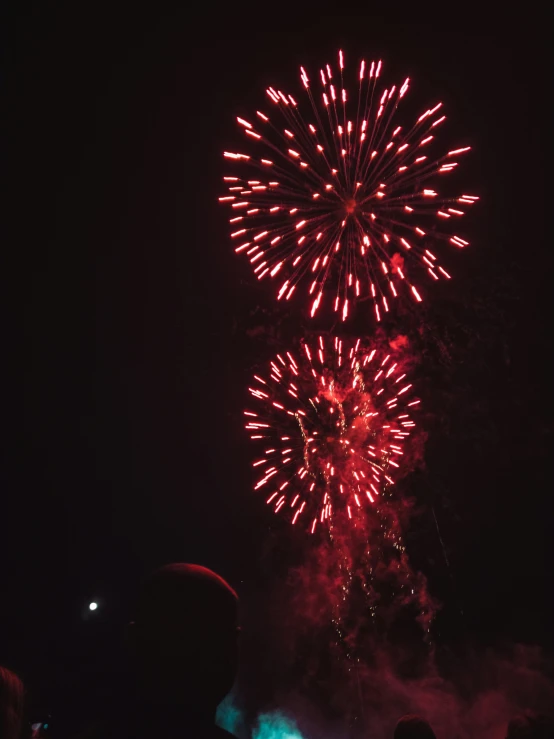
pixel 129 316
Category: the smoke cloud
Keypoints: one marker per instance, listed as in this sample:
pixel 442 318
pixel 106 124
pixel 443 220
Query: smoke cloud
pixel 474 703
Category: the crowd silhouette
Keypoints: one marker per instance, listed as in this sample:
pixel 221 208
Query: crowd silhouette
pixel 413 727
pixel 182 648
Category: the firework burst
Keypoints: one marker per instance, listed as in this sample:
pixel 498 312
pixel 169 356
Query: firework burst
pixel 332 423
pixel 339 198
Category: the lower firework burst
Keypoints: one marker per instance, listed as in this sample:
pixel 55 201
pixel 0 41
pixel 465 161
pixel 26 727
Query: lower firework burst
pixel 332 422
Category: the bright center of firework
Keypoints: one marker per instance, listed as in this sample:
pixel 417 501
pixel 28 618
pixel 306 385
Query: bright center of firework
pixel 350 206
pixel 328 446
pixel 332 439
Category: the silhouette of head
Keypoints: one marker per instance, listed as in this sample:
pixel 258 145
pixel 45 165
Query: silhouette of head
pixel 11 704
pixel 413 727
pixel 530 725
pixel 184 638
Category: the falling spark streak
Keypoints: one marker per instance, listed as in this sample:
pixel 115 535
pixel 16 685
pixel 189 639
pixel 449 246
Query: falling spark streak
pixel 328 426
pixel 355 179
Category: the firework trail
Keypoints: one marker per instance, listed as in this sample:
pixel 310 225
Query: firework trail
pixel 339 198
pixel 332 423
pixel 344 600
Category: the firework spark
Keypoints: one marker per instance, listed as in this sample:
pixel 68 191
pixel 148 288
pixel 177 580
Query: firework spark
pixel 332 423
pixel 336 199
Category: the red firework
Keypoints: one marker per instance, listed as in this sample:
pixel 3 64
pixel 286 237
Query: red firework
pixel 332 423
pixel 340 201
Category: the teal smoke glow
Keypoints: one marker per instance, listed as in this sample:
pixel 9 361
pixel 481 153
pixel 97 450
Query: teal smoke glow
pixel 276 726
pixel 273 725
pixel 229 717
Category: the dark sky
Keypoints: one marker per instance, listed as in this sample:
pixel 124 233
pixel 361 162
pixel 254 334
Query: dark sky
pixel 125 448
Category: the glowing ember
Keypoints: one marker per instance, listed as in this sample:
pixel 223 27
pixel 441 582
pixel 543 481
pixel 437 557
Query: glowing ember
pixel 331 421
pixel 334 199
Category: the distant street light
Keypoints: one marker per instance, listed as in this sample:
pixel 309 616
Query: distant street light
pixel 92 606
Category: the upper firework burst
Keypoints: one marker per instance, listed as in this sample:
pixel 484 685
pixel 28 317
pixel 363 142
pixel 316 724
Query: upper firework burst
pixel 338 198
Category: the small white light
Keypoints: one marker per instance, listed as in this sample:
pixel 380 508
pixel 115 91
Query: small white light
pixel 92 606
